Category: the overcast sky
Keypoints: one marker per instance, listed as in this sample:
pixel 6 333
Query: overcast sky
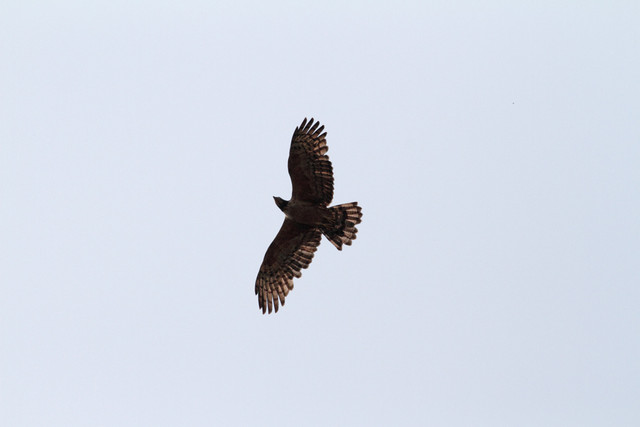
pixel 494 148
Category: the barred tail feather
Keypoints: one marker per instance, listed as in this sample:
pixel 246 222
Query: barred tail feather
pixel 342 224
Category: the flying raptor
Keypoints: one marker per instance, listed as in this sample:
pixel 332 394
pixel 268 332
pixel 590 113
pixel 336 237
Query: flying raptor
pixel 307 217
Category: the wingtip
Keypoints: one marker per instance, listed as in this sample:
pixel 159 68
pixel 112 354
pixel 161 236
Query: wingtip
pixel 308 122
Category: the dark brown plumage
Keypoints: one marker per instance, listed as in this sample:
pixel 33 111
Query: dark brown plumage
pixel 307 217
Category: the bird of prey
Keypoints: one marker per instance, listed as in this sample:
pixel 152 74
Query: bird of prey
pixel 307 217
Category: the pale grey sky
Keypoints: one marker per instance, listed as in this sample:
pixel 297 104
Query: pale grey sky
pixel 494 149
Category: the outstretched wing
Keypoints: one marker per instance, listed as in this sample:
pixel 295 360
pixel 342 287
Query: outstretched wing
pixel 291 251
pixel 309 166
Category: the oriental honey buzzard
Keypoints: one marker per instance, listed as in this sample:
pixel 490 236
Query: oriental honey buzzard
pixel 307 217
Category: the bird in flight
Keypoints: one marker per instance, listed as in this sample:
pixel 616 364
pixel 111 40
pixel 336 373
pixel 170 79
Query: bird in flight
pixel 307 217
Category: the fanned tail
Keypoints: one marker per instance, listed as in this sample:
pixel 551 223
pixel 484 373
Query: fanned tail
pixel 343 219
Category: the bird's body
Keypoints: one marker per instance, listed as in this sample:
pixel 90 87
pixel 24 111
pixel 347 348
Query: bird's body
pixel 307 217
pixel 306 213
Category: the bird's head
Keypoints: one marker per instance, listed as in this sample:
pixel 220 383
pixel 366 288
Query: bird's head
pixel 282 204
